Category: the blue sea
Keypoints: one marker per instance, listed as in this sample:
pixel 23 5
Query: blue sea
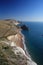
pixel 34 40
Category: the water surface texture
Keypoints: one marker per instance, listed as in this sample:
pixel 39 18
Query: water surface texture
pixel 34 41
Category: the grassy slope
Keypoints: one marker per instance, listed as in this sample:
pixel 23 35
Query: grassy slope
pixel 7 28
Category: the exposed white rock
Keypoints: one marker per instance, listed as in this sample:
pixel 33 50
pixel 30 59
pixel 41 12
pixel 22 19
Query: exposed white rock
pixel 12 44
pixel 21 52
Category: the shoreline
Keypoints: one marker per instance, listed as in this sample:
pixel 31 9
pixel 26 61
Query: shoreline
pixel 16 40
pixel 19 41
pixel 25 50
pixel 23 43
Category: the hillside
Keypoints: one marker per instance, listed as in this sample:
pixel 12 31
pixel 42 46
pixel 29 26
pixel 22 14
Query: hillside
pixel 11 51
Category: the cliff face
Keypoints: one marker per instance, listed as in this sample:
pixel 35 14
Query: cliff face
pixel 13 55
pixel 11 52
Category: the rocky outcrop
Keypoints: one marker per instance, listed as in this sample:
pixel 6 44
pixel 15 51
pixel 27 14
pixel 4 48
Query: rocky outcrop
pixel 24 27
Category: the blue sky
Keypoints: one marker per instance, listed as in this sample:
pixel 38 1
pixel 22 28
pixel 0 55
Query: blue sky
pixel 23 10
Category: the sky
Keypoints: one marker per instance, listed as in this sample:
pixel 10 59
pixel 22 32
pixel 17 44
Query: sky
pixel 23 10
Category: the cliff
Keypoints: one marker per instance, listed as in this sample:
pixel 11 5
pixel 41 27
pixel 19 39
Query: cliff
pixel 11 45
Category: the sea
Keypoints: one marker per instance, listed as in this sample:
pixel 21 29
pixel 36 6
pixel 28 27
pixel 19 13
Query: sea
pixel 34 40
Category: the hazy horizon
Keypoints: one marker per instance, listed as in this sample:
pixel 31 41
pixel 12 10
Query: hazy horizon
pixel 23 10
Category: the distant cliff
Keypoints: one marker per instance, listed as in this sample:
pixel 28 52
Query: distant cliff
pixel 24 27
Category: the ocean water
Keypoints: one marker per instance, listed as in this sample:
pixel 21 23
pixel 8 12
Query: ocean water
pixel 34 40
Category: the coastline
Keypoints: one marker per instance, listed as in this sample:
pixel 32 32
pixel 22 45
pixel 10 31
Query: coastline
pixel 23 43
pixel 19 41
pixel 25 50
pixel 16 40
